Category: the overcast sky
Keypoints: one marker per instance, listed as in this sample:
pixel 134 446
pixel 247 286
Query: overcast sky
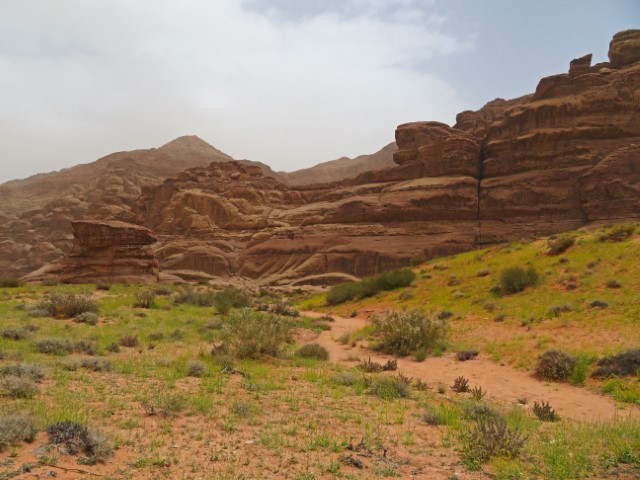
pixel 288 82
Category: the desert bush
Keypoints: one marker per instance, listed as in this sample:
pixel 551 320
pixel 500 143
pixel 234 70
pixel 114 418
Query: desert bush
pixel 477 393
pixel 545 412
pixel 558 245
pixel 516 279
pixel 18 387
pixel 555 365
pixel 196 368
pixel 460 385
pixel 285 310
pixel 489 438
pixel 598 304
pixel 374 367
pixel 621 365
pixel 54 346
pixel 230 298
pixel 402 333
pixel 618 233
pixel 113 347
pixel 14 333
pixel 33 371
pixel 16 428
pixel 89 318
pixel 163 404
pixel 194 297
pixel 250 334
pixel 313 350
pixel 130 341
pixel 614 284
pixel 434 418
pixel 91 364
pixel 345 378
pixel 477 410
pixel 105 287
pixel 465 355
pixel 390 388
pixel 155 336
pixel 557 310
pixel 145 299
pixel 67 304
pixel 74 438
pixel 370 286
pixel 10 282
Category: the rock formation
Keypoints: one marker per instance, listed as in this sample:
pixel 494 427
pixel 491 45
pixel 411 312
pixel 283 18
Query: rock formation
pixel 564 156
pixel 106 252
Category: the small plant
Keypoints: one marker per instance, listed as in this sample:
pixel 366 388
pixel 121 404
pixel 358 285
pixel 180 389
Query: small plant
pixel 73 438
pixel 196 368
pixel 621 365
pixel 491 437
pixel 598 304
pixel 14 333
pixel 460 385
pixel 545 412
pixel 89 318
pixel 285 310
pixel 67 304
pixel 557 310
pixel 313 350
pixel 483 272
pixel 129 341
pixel 193 297
pixel 555 365
pixel 370 286
pixel 16 428
pixel 401 333
pixel 163 404
pixel 105 287
pixel 390 388
pixel 250 334
pixel 466 355
pixel 477 393
pixel 145 299
pixel 614 284
pixel 26 370
pixel 516 279
pixel 18 387
pixel 230 298
pixel 558 245
pixel 370 366
pixel 433 418
pixel 618 233
pixel 54 346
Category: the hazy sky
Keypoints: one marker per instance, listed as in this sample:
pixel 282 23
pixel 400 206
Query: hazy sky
pixel 287 82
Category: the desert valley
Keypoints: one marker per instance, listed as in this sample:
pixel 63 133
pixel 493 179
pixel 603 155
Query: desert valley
pixel 462 304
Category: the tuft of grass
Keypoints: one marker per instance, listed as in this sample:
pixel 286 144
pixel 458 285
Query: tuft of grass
pixel 145 298
pixel 313 350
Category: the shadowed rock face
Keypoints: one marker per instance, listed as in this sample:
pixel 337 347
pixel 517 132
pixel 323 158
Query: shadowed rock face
pixel 554 160
pixel 106 251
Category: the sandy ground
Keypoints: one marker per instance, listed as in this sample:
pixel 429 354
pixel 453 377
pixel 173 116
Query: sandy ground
pixel 503 383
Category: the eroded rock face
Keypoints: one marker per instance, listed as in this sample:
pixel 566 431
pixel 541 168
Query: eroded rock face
pixel 624 48
pixel 106 252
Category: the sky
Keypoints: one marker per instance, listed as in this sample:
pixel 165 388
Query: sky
pixel 290 83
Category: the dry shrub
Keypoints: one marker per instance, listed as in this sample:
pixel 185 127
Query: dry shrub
pixel 622 364
pixel 555 365
pixel 558 245
pixel 67 304
pixel 250 334
pixel 16 428
pixel 491 437
pixel 402 333
pixel 313 350
pixel 545 412
pixel 390 388
pixel 73 438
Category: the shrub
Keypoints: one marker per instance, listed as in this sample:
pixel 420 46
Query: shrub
pixel 598 304
pixel 557 310
pixel 477 393
pixel 374 367
pixel 434 418
pixel 15 428
pixel 18 387
pixel 483 272
pixel 250 334
pixel 516 279
pixel 345 378
pixel 285 310
pixel 89 318
pixel 491 437
pixel 545 412
pixel 155 336
pixel 145 299
pixel 390 388
pixel 230 298
pixel 68 304
pixel 25 370
pixel 10 282
pixel 402 333
pixel 193 297
pixel 54 346
pixel 313 350
pixel 130 341
pixel 91 364
pixel 622 364
pixel 614 284
pixel 465 355
pixel 195 368
pixel 103 286
pixel 13 334
pixel 618 233
pixel 370 286
pixel 163 404
pixel 558 245
pixel 555 365
pixel 460 385
pixel 477 410
pixel 73 438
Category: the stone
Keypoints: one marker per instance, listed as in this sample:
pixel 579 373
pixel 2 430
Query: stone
pixel 624 48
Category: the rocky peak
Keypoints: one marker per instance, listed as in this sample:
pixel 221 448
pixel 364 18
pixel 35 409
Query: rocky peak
pixel 191 147
pixel 624 48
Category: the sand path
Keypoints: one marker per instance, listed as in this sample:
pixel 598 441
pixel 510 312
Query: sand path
pixel 503 383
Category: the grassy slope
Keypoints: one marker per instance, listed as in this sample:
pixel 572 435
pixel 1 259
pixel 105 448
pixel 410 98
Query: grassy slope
pixel 528 327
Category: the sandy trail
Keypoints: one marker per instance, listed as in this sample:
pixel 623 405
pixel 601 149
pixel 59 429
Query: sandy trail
pixel 503 383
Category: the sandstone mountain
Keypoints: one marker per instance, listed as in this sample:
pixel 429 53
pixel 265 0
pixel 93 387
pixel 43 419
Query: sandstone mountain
pixel 565 156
